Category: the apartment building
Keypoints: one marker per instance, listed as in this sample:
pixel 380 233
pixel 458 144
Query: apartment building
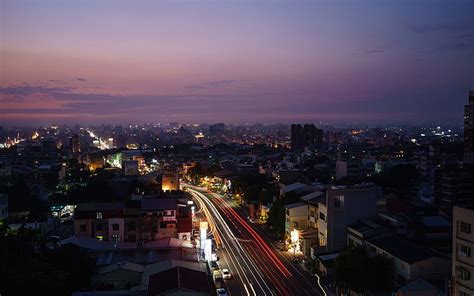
pixel 463 245
pixel 342 207
pixel 296 216
pixel 131 221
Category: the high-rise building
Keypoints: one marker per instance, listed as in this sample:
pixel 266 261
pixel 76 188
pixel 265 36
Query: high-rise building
pixel 75 144
pixel 296 137
pixel 216 130
pixel 305 136
pixel 469 129
pixel 463 245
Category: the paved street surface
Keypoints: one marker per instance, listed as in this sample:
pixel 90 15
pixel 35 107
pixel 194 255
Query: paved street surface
pixel 258 268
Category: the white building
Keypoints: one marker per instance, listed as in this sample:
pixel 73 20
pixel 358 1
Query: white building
pixel 344 206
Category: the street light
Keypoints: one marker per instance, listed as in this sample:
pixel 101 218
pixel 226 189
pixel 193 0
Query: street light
pixel 295 237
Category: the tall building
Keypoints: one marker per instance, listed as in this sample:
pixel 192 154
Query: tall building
pixel 463 245
pixel 75 144
pixel 305 136
pixel 342 207
pixel 312 136
pixel 469 129
pixel 297 137
pixel 216 130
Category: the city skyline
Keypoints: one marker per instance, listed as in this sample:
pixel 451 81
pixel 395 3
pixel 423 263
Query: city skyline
pixel 235 62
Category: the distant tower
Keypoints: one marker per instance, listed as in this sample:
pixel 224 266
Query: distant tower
pixel 312 136
pixel 216 130
pixel 75 144
pixel 469 129
pixel 305 136
pixel 297 138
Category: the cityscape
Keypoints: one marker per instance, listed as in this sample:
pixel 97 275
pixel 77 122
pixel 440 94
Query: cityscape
pixel 237 148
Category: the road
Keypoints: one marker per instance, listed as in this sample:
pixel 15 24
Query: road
pixel 247 252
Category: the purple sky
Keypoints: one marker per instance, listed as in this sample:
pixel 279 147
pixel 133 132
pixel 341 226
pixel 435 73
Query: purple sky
pixel 235 61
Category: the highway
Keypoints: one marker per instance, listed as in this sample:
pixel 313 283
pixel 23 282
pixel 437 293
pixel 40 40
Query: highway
pixel 257 267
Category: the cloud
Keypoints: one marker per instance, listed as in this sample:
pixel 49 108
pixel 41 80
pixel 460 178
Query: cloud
pixel 451 27
pixel 456 46
pixel 27 89
pixel 211 84
pixel 374 51
pixel 81 79
pixel 220 82
pixel 194 86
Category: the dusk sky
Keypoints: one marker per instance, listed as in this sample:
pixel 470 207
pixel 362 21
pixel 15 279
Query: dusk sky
pixel 235 61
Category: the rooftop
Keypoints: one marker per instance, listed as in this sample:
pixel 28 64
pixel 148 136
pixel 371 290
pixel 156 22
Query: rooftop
pixel 159 204
pixel 435 221
pixel 178 278
pixel 295 205
pixel 402 248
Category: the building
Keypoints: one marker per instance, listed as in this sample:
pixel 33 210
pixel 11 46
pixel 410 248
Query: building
pixel 75 144
pixel 150 219
pixel 313 199
pixel 296 216
pixel 216 130
pixel 3 206
pixel 305 136
pixel 130 167
pixel 158 218
pixel 453 187
pixel 420 287
pixel 348 169
pixel 344 206
pixel 118 276
pixel 463 245
pixel 469 129
pixel 176 277
pixel 410 261
pixel 102 220
pixel 170 181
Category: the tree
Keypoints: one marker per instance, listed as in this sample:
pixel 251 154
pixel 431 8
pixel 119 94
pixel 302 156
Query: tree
pixel 357 271
pixel 399 179
pixel 277 216
pixel 19 195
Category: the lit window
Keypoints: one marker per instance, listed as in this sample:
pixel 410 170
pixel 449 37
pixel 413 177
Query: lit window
pixel 99 215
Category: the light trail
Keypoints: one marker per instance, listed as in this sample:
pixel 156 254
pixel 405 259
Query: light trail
pixel 225 205
pixel 264 266
pixel 258 251
pixel 256 236
pixel 232 246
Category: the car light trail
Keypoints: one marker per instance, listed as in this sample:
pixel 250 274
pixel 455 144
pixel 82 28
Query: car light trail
pixel 255 235
pixel 240 265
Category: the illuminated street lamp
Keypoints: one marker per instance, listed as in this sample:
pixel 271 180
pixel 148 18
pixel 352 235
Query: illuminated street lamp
pixel 295 237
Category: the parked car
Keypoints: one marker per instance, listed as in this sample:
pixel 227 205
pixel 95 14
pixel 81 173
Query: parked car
pixel 221 292
pixel 226 274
